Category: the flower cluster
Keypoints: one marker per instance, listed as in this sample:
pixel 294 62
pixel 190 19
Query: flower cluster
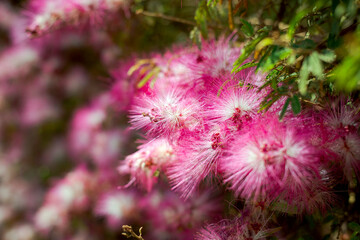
pixel 163 141
pixel 52 15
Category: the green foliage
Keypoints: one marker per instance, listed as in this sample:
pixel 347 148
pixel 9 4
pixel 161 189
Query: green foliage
pixel 302 49
pixel 355 227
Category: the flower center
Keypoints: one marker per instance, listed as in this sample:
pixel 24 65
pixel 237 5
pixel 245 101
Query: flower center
pixel 216 141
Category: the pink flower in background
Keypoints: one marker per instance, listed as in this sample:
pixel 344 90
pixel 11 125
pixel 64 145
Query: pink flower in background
pixel 50 216
pixel 250 225
pixel 72 192
pixel 123 89
pixel 38 108
pixel 85 122
pixel 341 123
pixel 173 217
pixel 106 146
pixel 21 231
pixel 18 61
pixel 117 207
pixel 50 15
pixel 216 60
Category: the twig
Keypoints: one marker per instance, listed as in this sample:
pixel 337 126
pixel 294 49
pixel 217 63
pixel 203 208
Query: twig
pixel 160 15
pixel 231 19
pixel 174 19
pixel 128 232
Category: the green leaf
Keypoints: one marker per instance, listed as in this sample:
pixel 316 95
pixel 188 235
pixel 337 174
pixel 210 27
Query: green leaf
pixel 295 105
pixel 247 50
pixel 334 40
pixel 277 54
pixel 212 3
pixel 354 237
pixel 247 28
pixel 327 56
pixel 195 37
pixel 304 77
pixel 200 18
pixel 347 74
pixel 294 22
pixel 304 44
pixel 246 65
pixel 315 65
pixel 354 226
pixel 152 73
pixel 283 111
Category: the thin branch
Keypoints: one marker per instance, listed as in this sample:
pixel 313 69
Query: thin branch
pixel 174 19
pixel 166 17
pixel 231 18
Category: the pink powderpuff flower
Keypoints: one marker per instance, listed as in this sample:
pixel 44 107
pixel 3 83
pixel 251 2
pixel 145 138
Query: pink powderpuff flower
pixel 18 61
pixel 21 231
pixel 106 146
pixel 341 117
pixel 341 125
pixel 269 159
pixel 37 109
pixel 198 156
pixel 347 148
pixel 164 114
pixel 178 216
pixel 153 157
pixel 216 59
pixel 72 192
pixel 49 217
pixel 123 89
pixel 117 207
pixel 235 106
pixel 249 225
pixel 175 70
pixel 50 15
pixel 86 121
pixel 7 16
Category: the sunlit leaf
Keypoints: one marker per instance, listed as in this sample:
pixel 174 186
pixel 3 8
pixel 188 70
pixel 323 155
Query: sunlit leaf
pixel 295 105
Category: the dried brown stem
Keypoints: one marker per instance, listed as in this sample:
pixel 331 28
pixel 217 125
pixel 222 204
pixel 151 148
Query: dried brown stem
pixel 129 232
pixel 166 17
pixel 231 18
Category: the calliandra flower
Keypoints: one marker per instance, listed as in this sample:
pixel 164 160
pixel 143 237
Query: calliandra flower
pixel 235 106
pixel 247 226
pixel 341 124
pixel 85 122
pixel 123 90
pixel 105 146
pixel 18 61
pixel 179 216
pixel 175 70
pixel 347 149
pixel 116 206
pixel 216 59
pixel 71 193
pixel 166 113
pixel 37 108
pixel 50 15
pixel 20 231
pixel 144 165
pixel 50 216
pixel 268 159
pixel 198 157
